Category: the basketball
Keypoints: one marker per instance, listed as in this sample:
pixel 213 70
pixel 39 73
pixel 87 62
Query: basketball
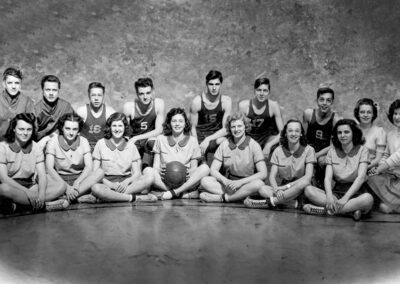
pixel 175 174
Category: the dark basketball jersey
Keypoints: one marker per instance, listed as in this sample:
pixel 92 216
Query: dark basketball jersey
pixel 262 125
pixel 209 120
pixel 93 128
pixel 143 123
pixel 319 136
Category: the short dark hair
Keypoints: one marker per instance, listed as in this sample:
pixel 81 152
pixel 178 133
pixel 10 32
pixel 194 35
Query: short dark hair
pixel 368 102
pixel 393 106
pixel 96 85
pixel 283 140
pixel 117 116
pixel 357 133
pixel 143 83
pixel 325 90
pixel 10 71
pixel 214 74
pixel 237 116
pixel 29 118
pixel 167 129
pixel 262 81
pixel 50 78
pixel 72 116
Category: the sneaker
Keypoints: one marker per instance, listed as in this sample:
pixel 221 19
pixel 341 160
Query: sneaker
pixel 56 205
pixel 257 203
pixel 209 197
pixel 87 198
pixel 315 210
pixel 356 215
pixel 146 198
pixel 191 195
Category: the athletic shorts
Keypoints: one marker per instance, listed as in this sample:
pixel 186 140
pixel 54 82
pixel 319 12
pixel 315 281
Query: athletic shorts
pixel 340 189
pixel 116 178
pixel 70 179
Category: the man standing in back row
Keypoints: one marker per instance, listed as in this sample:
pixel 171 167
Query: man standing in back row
pixel 318 124
pixel 12 102
pixel 265 115
pixel 208 114
pixel 95 114
pixel 146 116
pixel 50 108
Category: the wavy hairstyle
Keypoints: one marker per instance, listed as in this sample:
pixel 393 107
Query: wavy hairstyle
pixel 167 129
pixel 283 140
pixel 29 118
pixel 72 116
pixel 10 71
pixel 368 102
pixel 393 106
pixel 238 116
pixel 357 133
pixel 51 79
pixel 117 116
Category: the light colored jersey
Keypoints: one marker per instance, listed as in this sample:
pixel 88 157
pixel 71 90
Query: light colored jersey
pixel 345 166
pixel 239 161
pixel 115 160
pixel 68 159
pixel 184 151
pixel 292 166
pixel 21 162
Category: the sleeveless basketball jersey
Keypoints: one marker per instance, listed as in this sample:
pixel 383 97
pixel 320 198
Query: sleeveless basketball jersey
pixel 262 125
pixel 319 136
pixel 143 123
pixel 93 128
pixel 209 120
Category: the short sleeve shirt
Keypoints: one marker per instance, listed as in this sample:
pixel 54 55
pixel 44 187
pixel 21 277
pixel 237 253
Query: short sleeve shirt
pixel 20 162
pixel 292 166
pixel 239 160
pixel 115 160
pixel 345 166
pixel 68 159
pixel 184 151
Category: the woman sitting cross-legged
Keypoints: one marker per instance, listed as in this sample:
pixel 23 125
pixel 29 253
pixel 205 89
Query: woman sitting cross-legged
pixel 242 161
pixel 69 160
pixel 21 160
pixel 119 160
pixel 345 175
pixel 176 144
pixel 385 180
pixel 293 162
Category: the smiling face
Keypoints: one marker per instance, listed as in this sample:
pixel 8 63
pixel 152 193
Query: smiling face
pixel 366 113
pixel 325 102
pixel 23 132
pixel 117 129
pixel 293 132
pixel 396 117
pixel 238 129
pixel 344 134
pixel 177 124
pixel 51 91
pixel 96 97
pixel 70 130
pixel 12 85
pixel 262 93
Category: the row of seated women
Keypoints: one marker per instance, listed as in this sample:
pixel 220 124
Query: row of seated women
pixel 68 172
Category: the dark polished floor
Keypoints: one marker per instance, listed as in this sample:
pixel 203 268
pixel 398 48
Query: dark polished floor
pixel 192 242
